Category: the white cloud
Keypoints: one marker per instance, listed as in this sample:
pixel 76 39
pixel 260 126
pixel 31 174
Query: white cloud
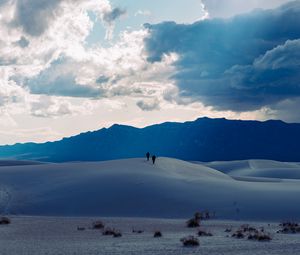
pixel 143 13
pixel 48 107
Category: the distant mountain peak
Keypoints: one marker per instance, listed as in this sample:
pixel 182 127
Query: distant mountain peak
pixel 204 139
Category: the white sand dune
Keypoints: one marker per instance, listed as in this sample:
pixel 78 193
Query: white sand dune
pixel 135 188
pixel 258 168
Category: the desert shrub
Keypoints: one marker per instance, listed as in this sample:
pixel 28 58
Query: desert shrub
pixel 259 236
pixel 98 225
pixel 247 228
pixel 251 233
pixel 108 232
pixel 117 234
pixel 228 230
pixel 137 231
pixel 5 221
pixel 193 223
pixel 204 233
pixel 289 228
pixel 190 241
pixel 111 232
pixel 238 234
pixel 157 234
pixel 198 216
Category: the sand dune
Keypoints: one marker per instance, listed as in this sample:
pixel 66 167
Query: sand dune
pixel 258 168
pixel 169 189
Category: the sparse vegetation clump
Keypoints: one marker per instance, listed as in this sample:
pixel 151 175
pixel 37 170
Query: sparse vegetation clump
pixel 117 234
pixel 98 225
pixel 108 232
pixel 5 221
pixel 251 233
pixel 198 216
pixel 112 232
pixel 228 230
pixel 190 241
pixel 238 234
pixel 137 231
pixel 289 228
pixel 157 234
pixel 195 221
pixel 204 233
pixel 259 236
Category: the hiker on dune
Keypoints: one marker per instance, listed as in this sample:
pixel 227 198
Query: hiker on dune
pixel 153 159
pixel 148 156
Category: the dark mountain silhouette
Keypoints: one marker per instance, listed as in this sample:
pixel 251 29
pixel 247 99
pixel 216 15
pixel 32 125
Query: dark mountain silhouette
pixel 203 140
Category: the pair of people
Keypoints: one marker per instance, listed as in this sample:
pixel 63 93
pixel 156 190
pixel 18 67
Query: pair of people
pixel 148 157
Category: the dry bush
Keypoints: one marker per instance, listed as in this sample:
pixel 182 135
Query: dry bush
pixel 137 231
pixel 190 241
pixel 98 225
pixel 204 233
pixel 251 233
pixel 5 221
pixel 238 234
pixel 193 223
pixel 289 228
pixel 112 232
pixel 117 234
pixel 108 232
pixel 259 236
pixel 157 234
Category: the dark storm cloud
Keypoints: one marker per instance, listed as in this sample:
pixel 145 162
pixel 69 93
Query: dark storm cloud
pixel 240 64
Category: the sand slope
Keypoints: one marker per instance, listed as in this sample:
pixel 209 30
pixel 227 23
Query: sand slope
pixel 134 187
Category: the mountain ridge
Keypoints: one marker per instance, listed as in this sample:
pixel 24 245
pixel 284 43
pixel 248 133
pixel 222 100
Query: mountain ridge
pixel 204 139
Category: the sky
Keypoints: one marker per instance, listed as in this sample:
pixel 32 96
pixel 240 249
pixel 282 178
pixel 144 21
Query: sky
pixel 71 66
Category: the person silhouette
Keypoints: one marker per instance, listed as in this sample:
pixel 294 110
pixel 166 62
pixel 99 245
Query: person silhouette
pixel 148 156
pixel 153 159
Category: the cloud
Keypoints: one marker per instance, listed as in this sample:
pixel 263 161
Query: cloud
pixel 240 64
pixel 102 79
pixel 60 80
pixel 109 19
pixel 34 16
pixel 113 15
pixel 49 107
pixel 228 8
pixel 143 13
pixel 51 58
pixel 23 42
pixel 148 105
pixel 10 93
pixel 286 110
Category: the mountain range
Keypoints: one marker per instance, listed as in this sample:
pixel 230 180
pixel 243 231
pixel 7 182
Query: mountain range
pixel 201 140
